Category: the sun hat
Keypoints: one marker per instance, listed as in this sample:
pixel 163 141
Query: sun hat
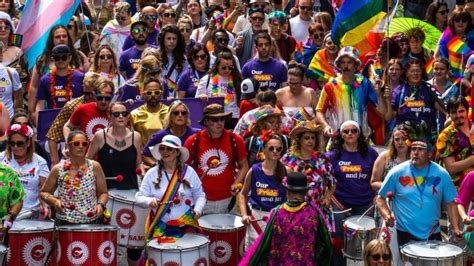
pixel 173 142
pixel 305 126
pixel 213 110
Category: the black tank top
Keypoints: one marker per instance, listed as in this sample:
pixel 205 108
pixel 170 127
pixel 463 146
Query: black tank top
pixel 115 162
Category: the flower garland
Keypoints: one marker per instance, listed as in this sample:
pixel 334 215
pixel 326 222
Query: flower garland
pixel 307 167
pixel 22 129
pixel 229 96
pixel 73 184
pixel 67 88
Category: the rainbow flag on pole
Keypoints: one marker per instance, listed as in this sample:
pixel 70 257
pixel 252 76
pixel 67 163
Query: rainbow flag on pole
pixel 457 52
pixel 37 20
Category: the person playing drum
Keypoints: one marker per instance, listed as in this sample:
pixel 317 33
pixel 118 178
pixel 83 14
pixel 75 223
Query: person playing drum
pixel 82 190
pixel 419 186
pixel 173 190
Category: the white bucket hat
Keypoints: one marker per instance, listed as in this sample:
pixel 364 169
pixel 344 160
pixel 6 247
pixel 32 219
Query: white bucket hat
pixel 172 142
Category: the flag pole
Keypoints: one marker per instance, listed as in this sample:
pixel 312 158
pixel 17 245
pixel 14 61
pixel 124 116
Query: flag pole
pixel 84 25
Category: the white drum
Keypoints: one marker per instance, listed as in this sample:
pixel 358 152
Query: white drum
pixel 431 253
pixel 3 254
pixel 191 249
pixel 358 232
pixel 128 216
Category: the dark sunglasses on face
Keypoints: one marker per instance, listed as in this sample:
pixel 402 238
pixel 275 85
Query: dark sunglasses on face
pixel 79 143
pixel 385 257
pixel 121 18
pixel 275 149
pixel 217 119
pixel 165 148
pixel 151 17
pixel 318 35
pixel 462 20
pixel 19 144
pixel 70 27
pixel 167 15
pixel 105 56
pixel 177 113
pixel 60 57
pixel 150 93
pixel 305 7
pixel 225 68
pixel 200 57
pixel 117 114
pixel 444 12
pixel 138 30
pixel 222 40
pixel 351 131
pixel 258 18
pixel 186 30
pixel 103 98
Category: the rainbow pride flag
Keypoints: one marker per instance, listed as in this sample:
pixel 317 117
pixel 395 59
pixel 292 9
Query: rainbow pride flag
pixel 457 53
pixel 429 67
pixel 319 69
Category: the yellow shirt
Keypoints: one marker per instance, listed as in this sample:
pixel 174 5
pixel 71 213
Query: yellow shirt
pixel 146 122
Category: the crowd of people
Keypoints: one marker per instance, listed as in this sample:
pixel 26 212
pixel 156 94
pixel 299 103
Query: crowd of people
pixel 307 133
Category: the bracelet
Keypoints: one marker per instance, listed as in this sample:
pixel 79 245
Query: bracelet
pixel 101 204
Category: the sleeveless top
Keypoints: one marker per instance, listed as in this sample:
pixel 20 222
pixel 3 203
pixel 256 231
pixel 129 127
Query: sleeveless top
pixel 115 162
pixel 84 198
pixel 392 163
pixel 265 192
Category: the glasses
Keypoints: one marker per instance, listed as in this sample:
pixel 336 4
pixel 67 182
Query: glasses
pixel 275 149
pixel 217 119
pixel 186 30
pixel 138 30
pixel 225 68
pixel 70 27
pixel 350 131
pixel 305 7
pixel 258 18
pixel 78 143
pixel 19 144
pixel 103 98
pixel 117 114
pixel 105 56
pixel 60 57
pixel 443 12
pixel 318 35
pixel 150 93
pixel 222 40
pixel 121 18
pixel 200 57
pixel 150 17
pixel 165 148
pixel 183 113
pixel 385 257
pixel 167 15
pixel 460 20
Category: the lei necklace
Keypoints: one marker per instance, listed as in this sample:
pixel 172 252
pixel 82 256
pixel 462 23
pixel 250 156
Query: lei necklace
pixel 73 184
pixel 355 84
pixel 229 96
pixel 307 167
pixel 67 88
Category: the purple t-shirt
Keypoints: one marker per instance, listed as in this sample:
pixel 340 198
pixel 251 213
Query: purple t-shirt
pixel 43 89
pixel 188 82
pixel 151 39
pixel 130 92
pixel 129 61
pixel 270 73
pixel 414 105
pixel 466 191
pixel 158 136
pixel 353 172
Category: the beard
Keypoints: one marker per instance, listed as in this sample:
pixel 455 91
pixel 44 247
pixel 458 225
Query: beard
pixel 153 102
pixel 140 41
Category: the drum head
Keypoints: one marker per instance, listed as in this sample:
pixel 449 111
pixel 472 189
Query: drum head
pixel 27 226
pixel 360 223
pixel 127 195
pixel 3 249
pixel 188 241
pixel 88 227
pixel 221 222
pixel 431 249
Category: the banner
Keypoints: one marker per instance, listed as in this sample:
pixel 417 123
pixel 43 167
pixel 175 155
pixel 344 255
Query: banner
pixel 195 105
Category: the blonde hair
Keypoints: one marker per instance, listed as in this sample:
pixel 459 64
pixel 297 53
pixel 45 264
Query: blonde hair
pixel 374 245
pixel 185 19
pixel 92 79
pixel 149 62
pixel 173 106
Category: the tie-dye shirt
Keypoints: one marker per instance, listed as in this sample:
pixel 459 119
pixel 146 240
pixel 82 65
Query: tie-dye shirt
pixel 11 189
pixel 347 101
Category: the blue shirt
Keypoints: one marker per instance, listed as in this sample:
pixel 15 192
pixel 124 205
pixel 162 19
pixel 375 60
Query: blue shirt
pixel 417 207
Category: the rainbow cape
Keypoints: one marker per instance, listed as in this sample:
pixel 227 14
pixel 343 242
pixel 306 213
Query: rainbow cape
pixel 319 69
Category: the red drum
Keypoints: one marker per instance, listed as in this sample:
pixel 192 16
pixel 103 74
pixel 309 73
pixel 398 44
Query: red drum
pixel 87 244
pixel 30 242
pixel 227 235
pixel 128 216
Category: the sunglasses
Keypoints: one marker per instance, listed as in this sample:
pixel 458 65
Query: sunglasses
pixel 102 98
pixel 167 15
pixel 318 36
pixel 217 119
pixel 150 93
pixel 305 7
pixel 222 40
pixel 385 257
pixel 350 131
pixel 105 56
pixel 183 113
pixel 185 30
pixel 138 30
pixel 60 57
pixel 443 12
pixel 151 17
pixel 165 148
pixel 275 149
pixel 78 143
pixel 258 18
pixel 225 68
pixel 70 27
pixel 117 114
pixel 200 57
pixel 19 144
pixel 458 20
pixel 121 18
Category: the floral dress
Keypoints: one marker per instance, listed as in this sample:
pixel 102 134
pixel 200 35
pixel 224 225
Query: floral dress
pixel 11 189
pixel 318 169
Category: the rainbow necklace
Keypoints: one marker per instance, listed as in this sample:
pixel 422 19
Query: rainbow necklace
pixel 215 90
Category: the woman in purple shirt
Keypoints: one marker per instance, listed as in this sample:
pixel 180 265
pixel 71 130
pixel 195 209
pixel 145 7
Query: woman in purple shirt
pixel 199 62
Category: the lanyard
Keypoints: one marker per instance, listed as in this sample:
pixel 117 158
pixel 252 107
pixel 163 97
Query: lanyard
pixel 420 189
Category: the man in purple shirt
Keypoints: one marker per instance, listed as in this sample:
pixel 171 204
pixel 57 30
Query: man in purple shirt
pixel 149 15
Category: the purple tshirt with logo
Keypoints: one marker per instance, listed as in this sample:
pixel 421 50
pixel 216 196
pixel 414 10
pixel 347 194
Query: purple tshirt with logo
pixel 353 172
pixel 43 92
pixel 271 73
pixel 129 61
pixel 151 39
pixel 188 82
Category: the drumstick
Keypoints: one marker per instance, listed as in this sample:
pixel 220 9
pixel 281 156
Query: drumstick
pixel 118 178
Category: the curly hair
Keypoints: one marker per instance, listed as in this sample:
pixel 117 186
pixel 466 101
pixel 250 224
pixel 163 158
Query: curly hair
pixel 338 141
pixel 179 50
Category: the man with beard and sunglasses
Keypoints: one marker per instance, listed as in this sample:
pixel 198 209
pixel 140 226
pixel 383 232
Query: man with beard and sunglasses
pixel 149 15
pixel 90 117
pixel 116 30
pixel 148 118
pixel 454 144
pixel 130 59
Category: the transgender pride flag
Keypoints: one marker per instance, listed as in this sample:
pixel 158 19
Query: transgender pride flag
pixel 37 20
